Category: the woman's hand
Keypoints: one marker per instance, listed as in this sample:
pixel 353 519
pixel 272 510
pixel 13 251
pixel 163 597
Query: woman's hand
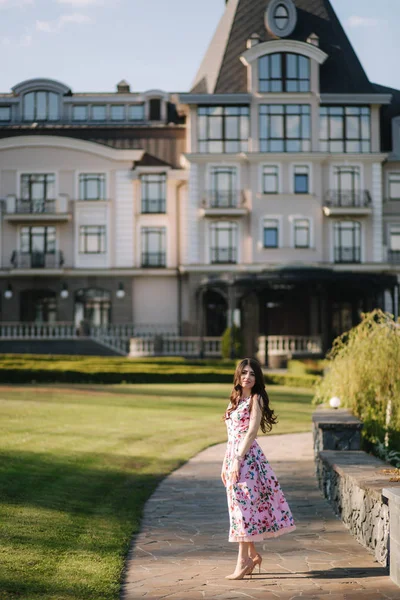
pixel 223 476
pixel 235 471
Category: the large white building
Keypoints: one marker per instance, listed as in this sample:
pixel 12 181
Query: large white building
pixel 269 194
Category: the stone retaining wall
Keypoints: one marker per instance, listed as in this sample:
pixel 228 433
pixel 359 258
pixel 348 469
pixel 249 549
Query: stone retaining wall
pixel 352 483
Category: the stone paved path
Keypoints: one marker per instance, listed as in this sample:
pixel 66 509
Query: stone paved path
pixel 183 552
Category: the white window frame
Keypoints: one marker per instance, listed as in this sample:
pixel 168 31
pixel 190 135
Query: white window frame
pixel 388 185
pixel 37 172
pixel 260 177
pixel 106 174
pixel 292 219
pixel 332 239
pixel 230 164
pixel 310 177
pixel 344 165
pixel 208 241
pixel 389 230
pixel 278 218
pixel 49 224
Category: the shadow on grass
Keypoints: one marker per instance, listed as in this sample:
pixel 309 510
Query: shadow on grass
pixel 84 509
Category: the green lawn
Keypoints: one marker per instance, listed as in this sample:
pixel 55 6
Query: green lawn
pixel 77 464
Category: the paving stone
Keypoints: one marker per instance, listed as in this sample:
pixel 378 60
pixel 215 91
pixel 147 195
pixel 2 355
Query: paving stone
pixel 182 552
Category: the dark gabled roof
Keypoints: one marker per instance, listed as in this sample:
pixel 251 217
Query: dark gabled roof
pixel 148 160
pixel 388 112
pixel 342 72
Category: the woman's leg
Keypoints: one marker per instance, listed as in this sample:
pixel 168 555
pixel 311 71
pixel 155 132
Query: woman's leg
pixel 252 550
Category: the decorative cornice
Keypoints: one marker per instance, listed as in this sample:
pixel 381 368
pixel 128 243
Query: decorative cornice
pixel 273 46
pixel 215 98
pixel 356 98
pixel 66 143
pixel 49 85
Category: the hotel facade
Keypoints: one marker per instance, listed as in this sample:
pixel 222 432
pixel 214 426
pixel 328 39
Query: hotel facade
pixel 268 195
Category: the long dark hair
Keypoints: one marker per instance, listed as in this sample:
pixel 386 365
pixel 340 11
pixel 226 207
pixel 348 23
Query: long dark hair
pixel 258 390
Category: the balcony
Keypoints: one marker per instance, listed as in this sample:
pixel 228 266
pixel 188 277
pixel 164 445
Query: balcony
pixel 37 260
pixel 38 210
pixel 347 254
pixel 394 257
pixel 221 203
pixel 153 260
pixel 223 255
pixel 347 202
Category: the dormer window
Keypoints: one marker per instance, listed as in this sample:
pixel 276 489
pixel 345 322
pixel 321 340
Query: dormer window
pixel 41 106
pixel 155 109
pixel 284 72
pixel 281 16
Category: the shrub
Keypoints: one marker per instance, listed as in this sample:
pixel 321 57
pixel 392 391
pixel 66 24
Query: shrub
pixel 307 366
pixel 364 371
pixel 226 342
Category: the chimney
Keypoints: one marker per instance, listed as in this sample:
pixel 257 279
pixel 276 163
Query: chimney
pixel 123 87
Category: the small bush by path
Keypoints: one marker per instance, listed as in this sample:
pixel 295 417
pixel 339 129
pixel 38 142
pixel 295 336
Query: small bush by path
pixel 77 464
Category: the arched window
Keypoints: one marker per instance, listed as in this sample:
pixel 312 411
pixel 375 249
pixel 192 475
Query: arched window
pixel 41 106
pixel 284 72
pixel 92 307
pixel 224 242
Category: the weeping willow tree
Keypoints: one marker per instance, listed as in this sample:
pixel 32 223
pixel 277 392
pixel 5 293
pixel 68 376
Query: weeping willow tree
pixel 364 372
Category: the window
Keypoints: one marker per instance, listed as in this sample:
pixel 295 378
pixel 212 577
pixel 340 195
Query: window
pixel 271 233
pixel 155 109
pixel 153 246
pixel 38 243
pixel 281 16
pixel 285 128
pixel 284 73
pixel 153 192
pixel 117 112
pixel 136 112
pixel 270 180
pixel 92 186
pixel 223 242
pixel 41 106
pixel 301 229
pixel 347 186
pixel 347 240
pixel 99 112
pixel 224 192
pixel 80 112
pixel 223 128
pixel 5 113
pixel 394 186
pixel 37 193
pixel 394 238
pixel 92 239
pixel 301 179
pixel 345 129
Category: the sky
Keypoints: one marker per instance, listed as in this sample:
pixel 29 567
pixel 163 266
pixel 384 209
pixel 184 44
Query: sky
pixel 90 45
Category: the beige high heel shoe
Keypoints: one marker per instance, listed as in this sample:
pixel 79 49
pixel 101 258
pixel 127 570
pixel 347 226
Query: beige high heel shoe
pixel 247 569
pixel 257 561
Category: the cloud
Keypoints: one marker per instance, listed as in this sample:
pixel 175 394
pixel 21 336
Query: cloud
pixel 58 24
pixel 14 3
pixel 358 21
pixel 79 2
pixel 22 41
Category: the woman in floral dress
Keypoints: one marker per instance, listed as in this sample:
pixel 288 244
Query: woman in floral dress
pixel 257 506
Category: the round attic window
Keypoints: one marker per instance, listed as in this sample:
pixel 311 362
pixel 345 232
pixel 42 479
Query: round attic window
pixel 281 17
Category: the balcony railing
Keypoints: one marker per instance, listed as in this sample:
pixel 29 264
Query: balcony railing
pixel 20 206
pixel 347 199
pixel 153 259
pixel 394 257
pixel 223 199
pixel 223 255
pixel 153 206
pixel 347 254
pixel 210 347
pixel 37 260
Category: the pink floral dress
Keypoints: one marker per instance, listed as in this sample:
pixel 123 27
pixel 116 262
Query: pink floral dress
pixel 257 506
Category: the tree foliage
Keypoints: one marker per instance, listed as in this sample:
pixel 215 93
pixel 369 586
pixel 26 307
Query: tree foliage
pixel 364 372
